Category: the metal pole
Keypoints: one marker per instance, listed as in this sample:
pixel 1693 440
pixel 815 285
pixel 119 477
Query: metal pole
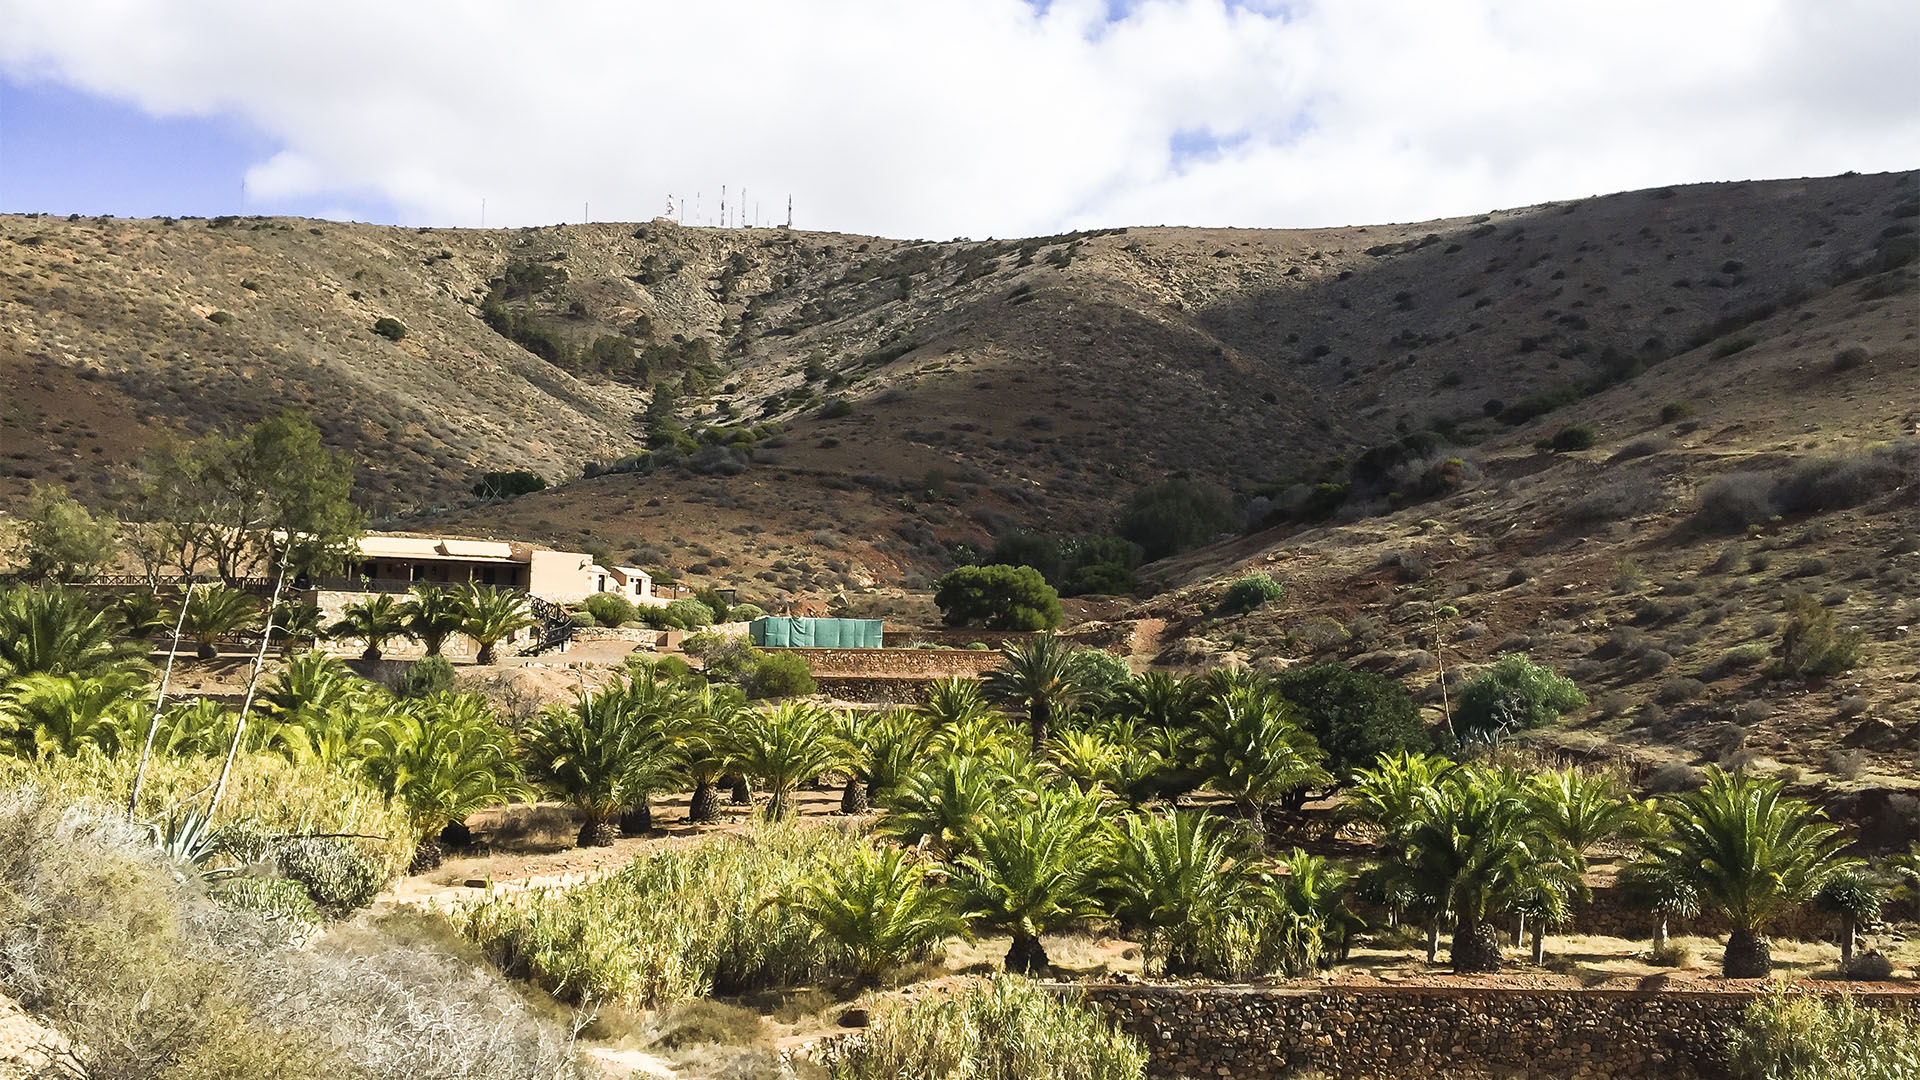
pixel 153 725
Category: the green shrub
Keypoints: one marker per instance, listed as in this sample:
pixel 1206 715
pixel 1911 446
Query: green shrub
pixel 1514 695
pixel 673 926
pixel 509 484
pixel 220 318
pixel 688 614
pixel 778 675
pixel 1572 437
pixel 340 876
pixel 998 598
pixel 1248 593
pixel 1801 1035
pixel 1004 1028
pixel 426 677
pixel 1732 345
pixel 747 612
pixel 1175 515
pixel 1676 411
pixel 390 328
pixel 1810 645
pixel 836 409
pixel 1742 657
pixel 278 900
pixel 611 609
pixel 1356 716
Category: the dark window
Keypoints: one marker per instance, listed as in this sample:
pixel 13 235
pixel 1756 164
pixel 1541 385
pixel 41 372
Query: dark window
pixel 486 575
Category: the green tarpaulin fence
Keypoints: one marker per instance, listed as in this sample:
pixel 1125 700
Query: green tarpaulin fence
pixel 780 632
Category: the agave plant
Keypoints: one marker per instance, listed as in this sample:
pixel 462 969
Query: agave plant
pixel 433 615
pixel 190 840
pixel 376 620
pixel 214 611
pixel 880 906
pixel 783 745
pixel 491 615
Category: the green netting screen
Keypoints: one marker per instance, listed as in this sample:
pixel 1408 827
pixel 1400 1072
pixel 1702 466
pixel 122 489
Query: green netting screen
pixel 780 632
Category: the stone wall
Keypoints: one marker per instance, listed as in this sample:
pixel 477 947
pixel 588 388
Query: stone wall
pixel 1431 1033
pixel 897 663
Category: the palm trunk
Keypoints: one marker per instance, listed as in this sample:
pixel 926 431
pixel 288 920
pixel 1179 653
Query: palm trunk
pixel 485 655
pixel 1026 956
pixel 1847 930
pixel 1039 719
pixel 739 792
pixel 1476 946
pixel 1539 943
pixel 855 799
pixel 1519 928
pixel 704 806
pixel 1659 933
pixel 1433 940
pixel 638 819
pixel 1749 956
pixel 598 834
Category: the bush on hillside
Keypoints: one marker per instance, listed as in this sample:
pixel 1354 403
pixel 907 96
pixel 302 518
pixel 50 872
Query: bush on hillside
pixel 1175 515
pixel 1514 695
pixel 390 328
pixel 509 484
pixel 426 677
pixel 778 675
pixel 1810 645
pixel 997 598
pixel 1571 437
pixel 1812 486
pixel 1248 593
pixel 689 614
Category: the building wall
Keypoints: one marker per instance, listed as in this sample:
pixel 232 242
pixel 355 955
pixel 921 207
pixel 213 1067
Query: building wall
pixel 560 576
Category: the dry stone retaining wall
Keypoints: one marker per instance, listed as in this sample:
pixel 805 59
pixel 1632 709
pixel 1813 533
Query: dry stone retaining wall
pixel 1430 1033
pixel 897 663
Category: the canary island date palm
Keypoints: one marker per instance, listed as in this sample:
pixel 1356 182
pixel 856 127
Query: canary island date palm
pixel 1473 839
pixel 1317 923
pixel 879 749
pixel 1750 852
pixel 951 702
pixel 492 615
pixel 784 745
pixel 1254 751
pixel 881 907
pixel 375 621
pixel 443 758
pixel 942 805
pixel 64 715
pixel 1196 894
pixel 598 756
pixel 53 631
pixel 1157 699
pixel 217 610
pixel 434 615
pixel 1582 809
pixel 708 748
pixel 1038 678
pixel 1034 869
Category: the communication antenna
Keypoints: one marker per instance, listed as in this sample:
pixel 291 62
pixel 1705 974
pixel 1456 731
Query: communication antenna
pixel 586 212
pixel 743 204
pixel 789 211
pixel 483 213
pixel 723 206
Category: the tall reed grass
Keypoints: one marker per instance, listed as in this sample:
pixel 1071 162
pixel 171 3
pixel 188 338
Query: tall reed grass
pixel 1797 1035
pixel 1003 1028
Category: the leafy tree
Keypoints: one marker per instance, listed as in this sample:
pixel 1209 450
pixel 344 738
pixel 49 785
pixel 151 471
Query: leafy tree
pixel 443 759
pixel 434 615
pixel 1038 678
pixel 610 609
pixel 1749 851
pixel 783 745
pixel 778 675
pixel 1031 870
pixel 997 597
pixel 53 631
pixel 216 610
pixel 1515 695
pixel 64 542
pixel 880 907
pixel 1175 515
pixel 1388 795
pixel 1254 751
pixel 716 603
pixel 1037 550
pixel 1356 716
pixel 1099 564
pixel 489 614
pixel 508 484
pixel 376 620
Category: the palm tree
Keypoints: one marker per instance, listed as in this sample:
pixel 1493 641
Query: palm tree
pixel 1157 699
pixel 944 804
pixel 1254 751
pixel 69 714
pixel 1387 795
pixel 299 621
pixel 1663 889
pixel 1087 758
pixel 1034 869
pixel 708 748
pixel 200 726
pixel 1474 840
pixel 601 757
pixel 433 615
pixel 1195 893
pixel 443 758
pixel 1313 894
pixel 785 744
pixel 880 748
pixel 1749 851
pixel 143 616
pixel 880 907
pixel 952 702
pixel 215 610
pixel 1582 809
pixel 1855 897
pixel 492 614
pixel 52 631
pixel 1038 679
pixel 1150 764
pixel 376 620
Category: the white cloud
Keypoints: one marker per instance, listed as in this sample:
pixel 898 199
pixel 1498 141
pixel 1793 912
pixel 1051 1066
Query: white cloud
pixel 989 117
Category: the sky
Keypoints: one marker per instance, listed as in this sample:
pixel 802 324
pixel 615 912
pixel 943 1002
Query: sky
pixel 934 118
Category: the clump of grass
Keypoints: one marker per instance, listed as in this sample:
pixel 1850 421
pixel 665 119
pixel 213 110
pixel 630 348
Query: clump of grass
pixel 673 926
pixel 1807 1036
pixel 1000 1027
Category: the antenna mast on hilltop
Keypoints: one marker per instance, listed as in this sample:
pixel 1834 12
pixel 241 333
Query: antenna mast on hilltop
pixel 789 211
pixel 723 206
pixel 740 215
